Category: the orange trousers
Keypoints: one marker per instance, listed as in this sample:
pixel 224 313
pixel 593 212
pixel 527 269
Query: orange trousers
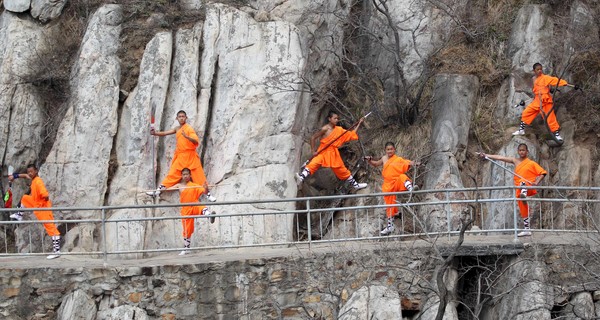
pixel 174 176
pixel 523 207
pixel 188 224
pixel 28 202
pixel 533 109
pixel 399 185
pixel 341 173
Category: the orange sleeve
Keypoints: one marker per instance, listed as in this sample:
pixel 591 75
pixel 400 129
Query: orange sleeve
pixel 394 167
pixel 191 194
pixel 183 144
pixel 40 189
pixel 191 133
pixel 529 170
pixel 553 81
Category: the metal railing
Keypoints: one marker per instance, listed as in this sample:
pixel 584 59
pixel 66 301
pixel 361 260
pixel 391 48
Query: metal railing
pixel 129 232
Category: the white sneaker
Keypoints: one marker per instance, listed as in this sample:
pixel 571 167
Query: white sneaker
pixel 524 233
pixel 299 179
pixel 211 198
pixel 387 230
pixel 523 194
pixel 519 132
pixel 183 252
pixel 17 216
pixel 54 255
pixel 359 186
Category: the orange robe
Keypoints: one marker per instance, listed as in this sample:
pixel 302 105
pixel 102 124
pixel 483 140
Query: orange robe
pixel 529 170
pixel 394 179
pixel 542 98
pixel 185 157
pixel 37 199
pixel 329 155
pixel 190 195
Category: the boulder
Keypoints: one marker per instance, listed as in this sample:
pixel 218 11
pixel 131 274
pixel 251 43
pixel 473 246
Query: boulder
pixel 17 5
pixel 250 151
pixel 531 27
pixel 454 98
pixel 76 169
pixel 136 150
pixel 46 10
pixel 372 302
pixel 77 305
pixel 124 312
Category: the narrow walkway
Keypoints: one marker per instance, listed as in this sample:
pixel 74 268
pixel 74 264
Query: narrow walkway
pixel 474 245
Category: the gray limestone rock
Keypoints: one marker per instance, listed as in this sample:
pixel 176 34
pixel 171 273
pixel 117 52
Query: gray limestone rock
pixel 455 96
pixel 77 305
pixel 46 10
pixel 17 5
pixel 76 169
pixel 372 302
pixel 531 27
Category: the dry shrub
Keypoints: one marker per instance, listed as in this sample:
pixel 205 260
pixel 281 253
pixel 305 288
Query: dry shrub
pixel 143 19
pixel 462 59
pixel 485 127
pixel 362 93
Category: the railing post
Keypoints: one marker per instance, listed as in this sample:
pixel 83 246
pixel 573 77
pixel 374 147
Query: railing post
pixel 515 212
pixel 448 209
pixel 105 251
pixel 308 224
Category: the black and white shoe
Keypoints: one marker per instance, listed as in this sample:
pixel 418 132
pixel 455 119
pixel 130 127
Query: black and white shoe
pixel 558 137
pixel 17 216
pixel 387 230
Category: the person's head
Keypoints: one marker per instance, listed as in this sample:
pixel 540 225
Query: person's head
pixel 390 149
pixel 181 117
pixel 333 117
pixel 32 170
pixel 537 69
pixel 186 175
pixel 523 150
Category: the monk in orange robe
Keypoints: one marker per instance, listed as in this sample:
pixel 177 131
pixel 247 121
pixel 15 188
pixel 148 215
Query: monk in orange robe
pixel 190 192
pixel 394 180
pixel 528 173
pixel 542 100
pixel 185 156
pixel 331 138
pixel 39 198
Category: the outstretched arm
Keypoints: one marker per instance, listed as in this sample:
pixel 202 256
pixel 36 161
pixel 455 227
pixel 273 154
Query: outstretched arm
pixel 359 122
pixel 374 163
pixel 497 157
pixel 15 175
pixel 176 186
pixel 162 133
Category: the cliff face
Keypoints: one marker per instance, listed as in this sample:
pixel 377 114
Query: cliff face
pixel 78 81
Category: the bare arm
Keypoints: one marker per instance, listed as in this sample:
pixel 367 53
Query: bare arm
pixel 15 175
pixel 538 179
pixel 498 157
pixel 315 137
pixel 358 125
pixel 162 133
pixel 176 186
pixel 376 163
